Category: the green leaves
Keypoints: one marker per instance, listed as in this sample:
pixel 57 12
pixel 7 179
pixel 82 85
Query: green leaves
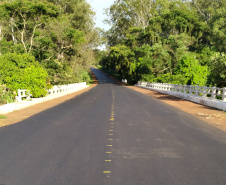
pixel 190 68
pixel 21 71
pixel 121 59
pixel 218 70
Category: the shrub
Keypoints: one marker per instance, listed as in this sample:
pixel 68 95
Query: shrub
pixel 217 70
pixel 172 79
pixel 6 95
pixel 21 71
pixel 189 67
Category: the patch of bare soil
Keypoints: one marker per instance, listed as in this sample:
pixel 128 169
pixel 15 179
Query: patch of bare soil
pixel 210 115
pixel 19 115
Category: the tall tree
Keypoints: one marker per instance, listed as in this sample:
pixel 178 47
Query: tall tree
pixel 124 14
pixel 23 18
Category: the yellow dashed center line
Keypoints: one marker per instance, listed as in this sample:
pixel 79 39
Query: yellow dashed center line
pixel 110 139
pixel 107 160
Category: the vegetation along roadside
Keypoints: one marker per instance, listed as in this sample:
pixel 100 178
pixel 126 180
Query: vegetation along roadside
pixel 44 43
pixel 167 41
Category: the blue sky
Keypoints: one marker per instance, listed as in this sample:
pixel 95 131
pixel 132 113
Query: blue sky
pixel 98 7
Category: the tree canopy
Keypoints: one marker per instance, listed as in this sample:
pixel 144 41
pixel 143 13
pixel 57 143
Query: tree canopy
pixel 59 36
pixel 167 40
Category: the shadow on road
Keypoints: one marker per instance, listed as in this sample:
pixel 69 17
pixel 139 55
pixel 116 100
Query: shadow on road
pixel 104 78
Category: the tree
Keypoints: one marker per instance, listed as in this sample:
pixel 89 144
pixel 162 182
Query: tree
pixel 190 68
pixel 121 61
pixel 22 19
pixel 124 14
pixel 217 68
pixel 21 71
pixel 60 34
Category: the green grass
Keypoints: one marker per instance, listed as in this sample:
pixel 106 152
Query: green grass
pixel 3 117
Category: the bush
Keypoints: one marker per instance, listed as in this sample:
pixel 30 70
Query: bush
pixel 6 95
pixel 147 78
pixel 21 71
pixel 217 70
pixel 172 79
pixel 190 68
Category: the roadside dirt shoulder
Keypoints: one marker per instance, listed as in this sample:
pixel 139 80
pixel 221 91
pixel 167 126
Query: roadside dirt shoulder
pixel 210 115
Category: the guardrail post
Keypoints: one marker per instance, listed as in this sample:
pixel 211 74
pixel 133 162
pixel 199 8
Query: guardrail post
pixel 185 89
pixel 176 87
pixel 196 90
pixel 224 94
pixel 213 94
pixel 190 89
pixel 19 95
pixel 204 91
pixel 179 87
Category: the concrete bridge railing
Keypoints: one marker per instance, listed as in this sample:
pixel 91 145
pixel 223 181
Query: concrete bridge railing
pixel 56 89
pixel 65 88
pixel 55 92
pixel 210 96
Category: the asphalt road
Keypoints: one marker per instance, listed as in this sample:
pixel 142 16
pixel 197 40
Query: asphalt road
pixel 112 135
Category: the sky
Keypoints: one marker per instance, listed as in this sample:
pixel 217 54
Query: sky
pixel 98 7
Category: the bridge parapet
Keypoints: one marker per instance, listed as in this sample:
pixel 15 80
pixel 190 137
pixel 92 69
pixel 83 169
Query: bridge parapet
pixel 210 96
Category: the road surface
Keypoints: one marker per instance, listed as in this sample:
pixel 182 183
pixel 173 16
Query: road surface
pixel 112 135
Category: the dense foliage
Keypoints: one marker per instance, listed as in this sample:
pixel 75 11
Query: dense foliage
pixel 23 72
pixel 170 41
pixel 45 42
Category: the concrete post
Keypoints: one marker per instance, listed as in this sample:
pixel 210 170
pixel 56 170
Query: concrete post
pixel 196 90
pixel 185 89
pixel 204 91
pixel 213 94
pixel 19 95
pixel 190 89
pixel 224 94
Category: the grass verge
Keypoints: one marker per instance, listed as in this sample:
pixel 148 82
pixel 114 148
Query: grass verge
pixel 3 117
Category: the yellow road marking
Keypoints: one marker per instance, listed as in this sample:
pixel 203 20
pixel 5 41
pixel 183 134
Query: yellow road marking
pixel 112 119
pixel 109 145
pixel 111 134
pixel 106 171
pixel 108 152
pixel 111 130
pixel 110 139
pixel 107 160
